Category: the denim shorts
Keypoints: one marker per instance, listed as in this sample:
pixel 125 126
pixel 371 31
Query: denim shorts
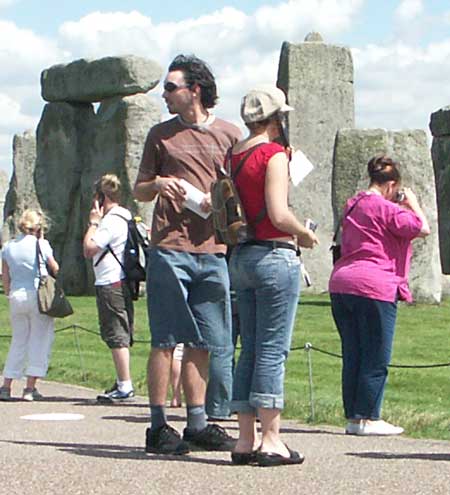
pixel 188 298
pixel 267 284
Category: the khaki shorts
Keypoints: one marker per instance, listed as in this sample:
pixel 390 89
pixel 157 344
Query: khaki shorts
pixel 115 314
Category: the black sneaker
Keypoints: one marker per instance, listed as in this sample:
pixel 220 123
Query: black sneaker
pixel 165 440
pixel 115 396
pixel 213 437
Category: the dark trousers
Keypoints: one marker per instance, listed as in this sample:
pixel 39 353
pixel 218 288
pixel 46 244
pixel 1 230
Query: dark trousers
pixel 366 327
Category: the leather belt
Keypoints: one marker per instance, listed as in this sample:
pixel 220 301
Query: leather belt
pixel 115 285
pixel 272 244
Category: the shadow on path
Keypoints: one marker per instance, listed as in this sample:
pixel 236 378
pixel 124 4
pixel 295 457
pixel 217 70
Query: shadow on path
pixel 389 455
pixel 117 452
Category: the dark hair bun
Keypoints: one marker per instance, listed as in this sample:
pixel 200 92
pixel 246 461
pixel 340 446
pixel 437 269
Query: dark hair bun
pixel 382 168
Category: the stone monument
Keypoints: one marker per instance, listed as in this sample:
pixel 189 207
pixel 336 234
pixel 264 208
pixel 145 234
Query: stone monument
pixel 75 144
pixel 318 80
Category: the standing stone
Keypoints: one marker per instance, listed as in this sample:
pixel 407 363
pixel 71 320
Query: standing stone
pixel 354 148
pixel 440 152
pixel 21 193
pixel 118 137
pixel 318 80
pixel 89 81
pixel 63 139
pixel 75 147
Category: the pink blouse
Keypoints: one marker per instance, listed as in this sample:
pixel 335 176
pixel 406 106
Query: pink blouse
pixel 376 249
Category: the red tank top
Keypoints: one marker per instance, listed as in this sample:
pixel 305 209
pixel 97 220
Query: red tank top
pixel 250 184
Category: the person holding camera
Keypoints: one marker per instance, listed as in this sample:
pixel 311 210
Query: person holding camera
pixel 265 273
pixel 32 332
pixel 365 285
pixel 108 230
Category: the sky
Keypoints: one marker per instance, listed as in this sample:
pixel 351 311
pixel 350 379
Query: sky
pixel 400 48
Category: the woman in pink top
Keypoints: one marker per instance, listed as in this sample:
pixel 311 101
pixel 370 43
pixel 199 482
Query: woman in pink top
pixel 365 285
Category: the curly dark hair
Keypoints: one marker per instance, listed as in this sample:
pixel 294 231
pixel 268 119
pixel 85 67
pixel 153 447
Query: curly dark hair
pixel 197 71
pixel 382 168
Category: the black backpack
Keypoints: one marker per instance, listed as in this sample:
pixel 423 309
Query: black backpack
pixel 134 255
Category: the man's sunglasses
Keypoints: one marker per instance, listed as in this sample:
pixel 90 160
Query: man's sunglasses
pixel 170 87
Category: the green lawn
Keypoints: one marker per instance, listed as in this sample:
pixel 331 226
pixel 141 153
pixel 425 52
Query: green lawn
pixel 417 399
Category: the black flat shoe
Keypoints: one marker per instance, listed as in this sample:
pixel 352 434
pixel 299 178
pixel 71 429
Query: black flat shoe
pixel 273 459
pixel 243 458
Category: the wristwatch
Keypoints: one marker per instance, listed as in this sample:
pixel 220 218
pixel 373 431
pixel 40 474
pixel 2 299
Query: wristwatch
pixel 93 224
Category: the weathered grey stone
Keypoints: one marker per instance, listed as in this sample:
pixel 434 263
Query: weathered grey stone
pixel 318 79
pixel 440 152
pixel 314 37
pixel 440 122
pixel 95 80
pixel 354 148
pixel 4 186
pixel 76 146
pixel 21 192
pixel 63 139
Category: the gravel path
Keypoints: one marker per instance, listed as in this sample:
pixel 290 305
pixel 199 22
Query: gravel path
pixel 102 453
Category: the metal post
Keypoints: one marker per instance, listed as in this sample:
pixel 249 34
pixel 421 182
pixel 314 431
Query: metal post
pixel 77 344
pixel 308 349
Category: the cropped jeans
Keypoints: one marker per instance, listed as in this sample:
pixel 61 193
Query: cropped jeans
pixel 366 327
pixel 267 284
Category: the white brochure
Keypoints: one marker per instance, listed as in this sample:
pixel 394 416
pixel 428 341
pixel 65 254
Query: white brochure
pixel 194 199
pixel 299 167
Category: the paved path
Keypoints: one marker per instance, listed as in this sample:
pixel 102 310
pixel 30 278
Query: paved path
pixel 103 454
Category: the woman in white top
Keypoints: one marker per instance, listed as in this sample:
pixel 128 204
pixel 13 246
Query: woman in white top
pixel 32 332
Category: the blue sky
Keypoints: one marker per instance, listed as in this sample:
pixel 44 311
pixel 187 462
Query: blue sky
pixel 401 49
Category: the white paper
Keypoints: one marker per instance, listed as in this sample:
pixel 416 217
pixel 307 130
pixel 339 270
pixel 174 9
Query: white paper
pixel 299 167
pixel 194 199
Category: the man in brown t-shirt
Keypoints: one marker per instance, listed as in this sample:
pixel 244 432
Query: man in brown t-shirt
pixel 187 284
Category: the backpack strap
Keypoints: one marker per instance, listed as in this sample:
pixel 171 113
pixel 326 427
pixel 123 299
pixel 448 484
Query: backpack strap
pixel 109 249
pixel 239 166
pixel 262 213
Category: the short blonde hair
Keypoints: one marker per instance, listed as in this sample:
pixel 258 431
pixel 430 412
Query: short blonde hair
pixel 110 186
pixel 31 221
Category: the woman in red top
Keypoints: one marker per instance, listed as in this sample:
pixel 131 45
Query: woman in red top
pixel 265 273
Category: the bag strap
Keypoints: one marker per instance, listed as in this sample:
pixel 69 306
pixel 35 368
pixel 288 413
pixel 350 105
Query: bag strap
pixel 239 166
pixel 109 249
pixel 341 221
pixel 262 213
pixel 39 257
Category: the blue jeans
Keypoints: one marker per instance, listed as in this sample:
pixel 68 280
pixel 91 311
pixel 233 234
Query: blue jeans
pixel 267 284
pixel 221 366
pixel 366 327
pixel 188 298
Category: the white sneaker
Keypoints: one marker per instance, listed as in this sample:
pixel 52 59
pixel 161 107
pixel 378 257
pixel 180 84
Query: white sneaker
pixel 353 428
pixel 379 427
pixel 31 394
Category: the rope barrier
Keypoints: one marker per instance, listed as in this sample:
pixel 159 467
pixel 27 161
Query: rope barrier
pixel 306 347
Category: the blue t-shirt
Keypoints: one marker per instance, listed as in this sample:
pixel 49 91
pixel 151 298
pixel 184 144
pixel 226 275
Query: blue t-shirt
pixel 20 256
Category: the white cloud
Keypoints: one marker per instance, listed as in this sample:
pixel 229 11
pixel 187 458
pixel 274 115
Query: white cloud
pixel 7 3
pixel 399 86
pixel 23 54
pixel 408 10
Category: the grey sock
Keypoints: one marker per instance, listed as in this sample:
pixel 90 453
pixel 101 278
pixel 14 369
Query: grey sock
pixel 158 417
pixel 196 418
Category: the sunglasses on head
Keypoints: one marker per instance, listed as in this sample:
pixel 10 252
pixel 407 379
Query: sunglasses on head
pixel 170 87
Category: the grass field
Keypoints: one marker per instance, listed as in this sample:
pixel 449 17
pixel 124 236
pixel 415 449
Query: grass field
pixel 417 399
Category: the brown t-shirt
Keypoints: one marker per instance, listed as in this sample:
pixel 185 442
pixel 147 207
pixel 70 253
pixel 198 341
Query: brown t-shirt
pixel 190 152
